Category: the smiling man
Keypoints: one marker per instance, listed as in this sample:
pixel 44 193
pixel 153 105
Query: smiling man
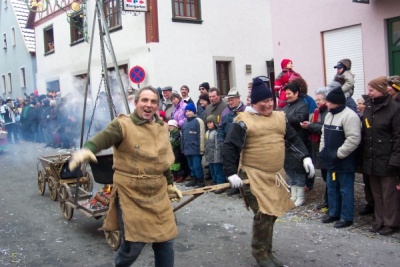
pixel 257 138
pixel 141 182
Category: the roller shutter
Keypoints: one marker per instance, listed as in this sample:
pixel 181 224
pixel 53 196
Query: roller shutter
pixel 345 43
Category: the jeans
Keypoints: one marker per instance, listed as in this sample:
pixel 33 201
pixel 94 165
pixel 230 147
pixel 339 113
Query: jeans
pixel 12 131
pixel 341 195
pixel 217 173
pixel 195 166
pixel 296 178
pixel 128 252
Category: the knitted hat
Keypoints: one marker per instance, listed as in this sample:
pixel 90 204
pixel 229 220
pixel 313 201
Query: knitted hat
pixel 336 96
pixel 343 63
pixel 190 107
pixel 173 123
pixel 379 84
pixel 206 85
pixel 211 118
pixel 284 63
pixel 162 114
pixel 259 91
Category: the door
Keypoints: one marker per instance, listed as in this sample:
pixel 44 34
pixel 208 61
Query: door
pixel 393 28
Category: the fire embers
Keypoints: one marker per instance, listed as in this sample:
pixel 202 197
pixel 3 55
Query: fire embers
pixel 102 198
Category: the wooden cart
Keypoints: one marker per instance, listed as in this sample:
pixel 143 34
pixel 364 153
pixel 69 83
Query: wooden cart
pixel 54 171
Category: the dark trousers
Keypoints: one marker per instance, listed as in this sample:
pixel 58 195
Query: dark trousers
pixel 128 252
pixel 387 200
pixel 341 195
pixel 12 131
pixel 367 190
pixel 263 228
pixel 324 174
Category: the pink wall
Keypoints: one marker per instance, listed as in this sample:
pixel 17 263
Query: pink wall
pixel 297 27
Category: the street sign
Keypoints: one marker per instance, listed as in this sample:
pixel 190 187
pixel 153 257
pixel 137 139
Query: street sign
pixel 137 74
pixel 135 5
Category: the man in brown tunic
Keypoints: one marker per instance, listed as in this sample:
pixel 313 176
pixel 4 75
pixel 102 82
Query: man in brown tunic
pixel 258 136
pixel 139 206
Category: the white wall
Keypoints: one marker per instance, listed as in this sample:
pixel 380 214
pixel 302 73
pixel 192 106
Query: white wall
pixel 184 54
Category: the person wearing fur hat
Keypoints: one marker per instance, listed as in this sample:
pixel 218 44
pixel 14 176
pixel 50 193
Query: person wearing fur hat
pixel 213 153
pixel 193 131
pixel 340 138
pixel 257 140
pixel 287 75
pixel 381 154
pixel 142 180
pixel 343 72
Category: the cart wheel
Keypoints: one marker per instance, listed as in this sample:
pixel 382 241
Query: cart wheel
pixel 41 183
pixel 88 185
pixel 53 187
pixel 64 195
pixel 113 239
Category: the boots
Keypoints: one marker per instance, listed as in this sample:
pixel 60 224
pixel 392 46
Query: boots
pixel 268 262
pixel 293 192
pixel 192 182
pixel 300 197
pixel 200 183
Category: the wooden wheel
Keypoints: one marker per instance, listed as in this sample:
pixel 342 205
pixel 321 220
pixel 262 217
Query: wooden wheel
pixel 64 195
pixel 88 185
pixel 113 239
pixel 53 187
pixel 41 183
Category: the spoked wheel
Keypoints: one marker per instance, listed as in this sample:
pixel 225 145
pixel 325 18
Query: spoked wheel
pixel 53 187
pixel 113 239
pixel 88 184
pixel 64 194
pixel 41 183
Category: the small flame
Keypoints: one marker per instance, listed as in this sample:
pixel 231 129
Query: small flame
pixel 107 189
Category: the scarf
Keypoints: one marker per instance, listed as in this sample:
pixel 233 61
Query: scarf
pixel 314 137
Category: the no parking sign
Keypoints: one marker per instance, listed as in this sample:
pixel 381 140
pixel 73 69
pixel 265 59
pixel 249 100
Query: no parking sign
pixel 137 74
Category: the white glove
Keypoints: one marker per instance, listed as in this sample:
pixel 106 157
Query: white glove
pixel 235 181
pixel 309 167
pixel 172 189
pixel 81 156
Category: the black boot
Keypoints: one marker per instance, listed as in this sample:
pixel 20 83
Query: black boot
pixel 192 182
pixel 200 183
pixel 368 209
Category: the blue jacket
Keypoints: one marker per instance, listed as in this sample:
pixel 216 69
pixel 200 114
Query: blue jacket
pixel 193 137
pixel 340 138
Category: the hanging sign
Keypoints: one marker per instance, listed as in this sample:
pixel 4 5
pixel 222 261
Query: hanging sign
pixel 137 74
pixel 134 5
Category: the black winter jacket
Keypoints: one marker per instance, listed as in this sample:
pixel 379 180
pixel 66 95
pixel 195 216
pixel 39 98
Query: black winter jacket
pixel 381 136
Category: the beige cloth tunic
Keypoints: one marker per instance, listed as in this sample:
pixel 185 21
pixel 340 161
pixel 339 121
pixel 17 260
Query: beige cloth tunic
pixel 139 162
pixel 262 158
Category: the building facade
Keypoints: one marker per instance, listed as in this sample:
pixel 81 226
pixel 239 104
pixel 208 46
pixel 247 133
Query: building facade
pixel 17 56
pixel 317 34
pixel 176 42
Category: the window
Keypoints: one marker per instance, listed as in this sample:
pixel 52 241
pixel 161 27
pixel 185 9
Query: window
pixel 53 86
pixel 13 36
pixel 22 77
pixel 4 41
pixel 3 83
pixel 186 11
pixel 48 40
pixel 113 82
pixel 112 12
pixel 10 86
pixel 76 26
pixel 223 77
